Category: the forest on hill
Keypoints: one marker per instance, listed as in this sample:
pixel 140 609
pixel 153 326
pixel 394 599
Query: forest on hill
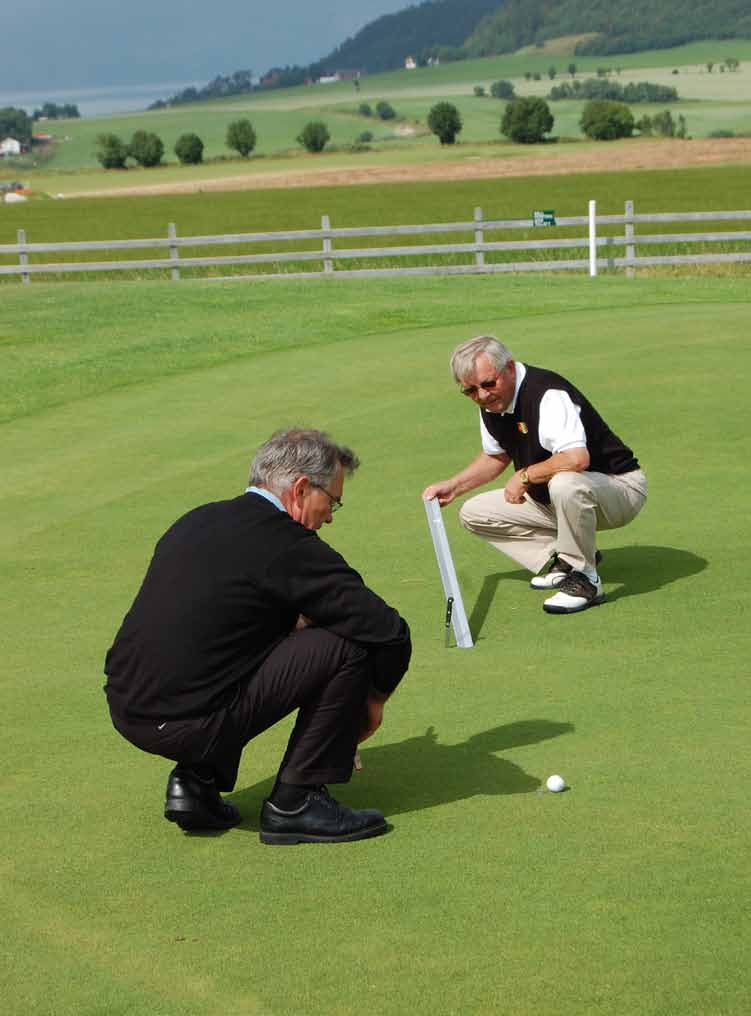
pixel 618 27
pixel 433 28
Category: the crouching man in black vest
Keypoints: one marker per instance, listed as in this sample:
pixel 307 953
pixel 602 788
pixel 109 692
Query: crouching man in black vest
pixel 244 616
pixel 572 475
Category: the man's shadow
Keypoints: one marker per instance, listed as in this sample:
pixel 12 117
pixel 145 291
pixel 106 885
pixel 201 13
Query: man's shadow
pixel 639 570
pixel 421 773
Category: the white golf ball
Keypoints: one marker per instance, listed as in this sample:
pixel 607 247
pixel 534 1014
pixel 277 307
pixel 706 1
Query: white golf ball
pixel 555 783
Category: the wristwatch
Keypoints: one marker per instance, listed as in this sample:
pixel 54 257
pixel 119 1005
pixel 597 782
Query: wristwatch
pixel 524 477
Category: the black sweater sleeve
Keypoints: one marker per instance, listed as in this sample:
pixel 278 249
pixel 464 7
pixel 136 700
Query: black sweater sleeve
pixel 323 587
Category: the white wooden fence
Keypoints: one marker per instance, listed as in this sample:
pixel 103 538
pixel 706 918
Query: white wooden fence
pixel 613 250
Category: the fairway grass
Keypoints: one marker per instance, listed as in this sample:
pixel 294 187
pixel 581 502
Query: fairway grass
pixel 129 404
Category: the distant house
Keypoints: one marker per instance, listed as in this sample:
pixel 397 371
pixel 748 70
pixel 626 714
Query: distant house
pixel 9 146
pixel 328 79
pixel 410 64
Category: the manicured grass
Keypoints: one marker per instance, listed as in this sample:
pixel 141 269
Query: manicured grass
pixel 133 402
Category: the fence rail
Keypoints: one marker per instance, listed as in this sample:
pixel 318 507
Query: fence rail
pixel 600 248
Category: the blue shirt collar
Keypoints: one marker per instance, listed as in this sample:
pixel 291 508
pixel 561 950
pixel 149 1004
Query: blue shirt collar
pixel 268 495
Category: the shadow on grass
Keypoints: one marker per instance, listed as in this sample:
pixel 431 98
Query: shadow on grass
pixel 638 569
pixel 421 773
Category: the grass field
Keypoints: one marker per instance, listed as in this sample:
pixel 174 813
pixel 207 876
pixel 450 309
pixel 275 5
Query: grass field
pixel 125 405
pixel 712 101
pixel 697 189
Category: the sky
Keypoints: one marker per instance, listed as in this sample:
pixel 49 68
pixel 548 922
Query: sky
pixel 59 44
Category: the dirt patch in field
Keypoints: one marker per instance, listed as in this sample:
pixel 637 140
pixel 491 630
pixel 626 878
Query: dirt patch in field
pixel 544 161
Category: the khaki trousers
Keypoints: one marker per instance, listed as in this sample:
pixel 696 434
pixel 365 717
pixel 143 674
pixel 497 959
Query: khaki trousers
pixel 580 504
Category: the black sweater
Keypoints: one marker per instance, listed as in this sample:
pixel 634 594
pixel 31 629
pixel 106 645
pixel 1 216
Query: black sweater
pixel 225 585
pixel 518 432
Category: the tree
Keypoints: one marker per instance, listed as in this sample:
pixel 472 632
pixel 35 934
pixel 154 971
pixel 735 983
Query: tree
pixel 445 122
pixel 365 109
pixel 15 123
pixel 385 110
pixel 189 149
pixel 502 90
pixel 111 151
pixel 241 137
pixel 314 136
pixel 603 120
pixel 552 72
pixel 146 148
pixel 53 111
pixel 479 91
pixel 527 120
pixel 572 69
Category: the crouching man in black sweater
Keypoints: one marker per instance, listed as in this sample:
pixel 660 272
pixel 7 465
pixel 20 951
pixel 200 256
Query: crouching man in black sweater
pixel 245 615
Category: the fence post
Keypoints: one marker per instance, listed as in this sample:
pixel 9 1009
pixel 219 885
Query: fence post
pixel 173 251
pixel 592 239
pixel 629 237
pixel 479 239
pixel 23 257
pixel 328 264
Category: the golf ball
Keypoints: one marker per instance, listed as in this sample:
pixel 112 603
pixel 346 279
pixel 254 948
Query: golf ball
pixel 555 783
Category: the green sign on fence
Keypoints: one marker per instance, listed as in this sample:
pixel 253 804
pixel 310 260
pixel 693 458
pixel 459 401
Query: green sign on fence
pixel 546 218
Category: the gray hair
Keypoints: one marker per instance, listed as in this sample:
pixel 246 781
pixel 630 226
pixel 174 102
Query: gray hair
pixel 289 454
pixel 464 356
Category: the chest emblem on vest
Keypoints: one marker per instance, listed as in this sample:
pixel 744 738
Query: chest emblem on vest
pixel 522 427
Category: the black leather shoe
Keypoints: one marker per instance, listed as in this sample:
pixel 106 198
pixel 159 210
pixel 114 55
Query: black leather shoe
pixel 196 804
pixel 320 819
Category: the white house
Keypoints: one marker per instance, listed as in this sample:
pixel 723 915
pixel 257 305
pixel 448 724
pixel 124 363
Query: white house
pixel 9 146
pixel 410 64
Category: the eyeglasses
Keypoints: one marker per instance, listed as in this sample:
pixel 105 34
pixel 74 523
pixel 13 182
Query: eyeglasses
pixel 335 503
pixel 487 386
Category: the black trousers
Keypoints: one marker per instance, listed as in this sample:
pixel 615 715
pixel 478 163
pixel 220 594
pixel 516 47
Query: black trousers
pixel 326 678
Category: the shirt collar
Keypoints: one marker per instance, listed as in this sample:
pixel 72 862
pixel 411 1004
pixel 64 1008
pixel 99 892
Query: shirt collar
pixel 268 495
pixel 521 373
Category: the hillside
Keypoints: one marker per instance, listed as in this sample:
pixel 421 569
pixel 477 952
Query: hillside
pixel 641 25
pixel 418 31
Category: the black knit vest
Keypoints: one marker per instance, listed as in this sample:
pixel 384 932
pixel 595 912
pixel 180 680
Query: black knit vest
pixel 518 432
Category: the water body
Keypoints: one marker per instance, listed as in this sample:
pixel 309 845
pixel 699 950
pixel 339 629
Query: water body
pixel 98 101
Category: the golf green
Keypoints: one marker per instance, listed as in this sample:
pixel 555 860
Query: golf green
pixel 127 404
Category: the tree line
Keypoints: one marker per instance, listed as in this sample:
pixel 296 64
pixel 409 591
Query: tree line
pixel 146 148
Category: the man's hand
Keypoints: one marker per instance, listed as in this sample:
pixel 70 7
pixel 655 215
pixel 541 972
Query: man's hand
pixel 444 490
pixel 372 719
pixel 515 490
pixel 484 469
pixel 302 622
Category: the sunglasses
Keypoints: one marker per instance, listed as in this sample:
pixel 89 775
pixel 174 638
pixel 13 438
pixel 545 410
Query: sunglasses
pixel 487 386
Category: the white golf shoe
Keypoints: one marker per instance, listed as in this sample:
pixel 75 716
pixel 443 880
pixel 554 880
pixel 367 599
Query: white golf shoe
pixel 575 593
pixel 556 572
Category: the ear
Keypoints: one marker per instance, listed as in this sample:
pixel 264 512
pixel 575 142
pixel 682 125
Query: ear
pixel 300 488
pixel 295 495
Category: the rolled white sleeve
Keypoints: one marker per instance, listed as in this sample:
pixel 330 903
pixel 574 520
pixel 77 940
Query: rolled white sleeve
pixel 560 426
pixel 489 444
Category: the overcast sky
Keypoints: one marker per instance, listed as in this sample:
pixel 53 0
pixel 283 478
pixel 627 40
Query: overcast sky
pixel 58 44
